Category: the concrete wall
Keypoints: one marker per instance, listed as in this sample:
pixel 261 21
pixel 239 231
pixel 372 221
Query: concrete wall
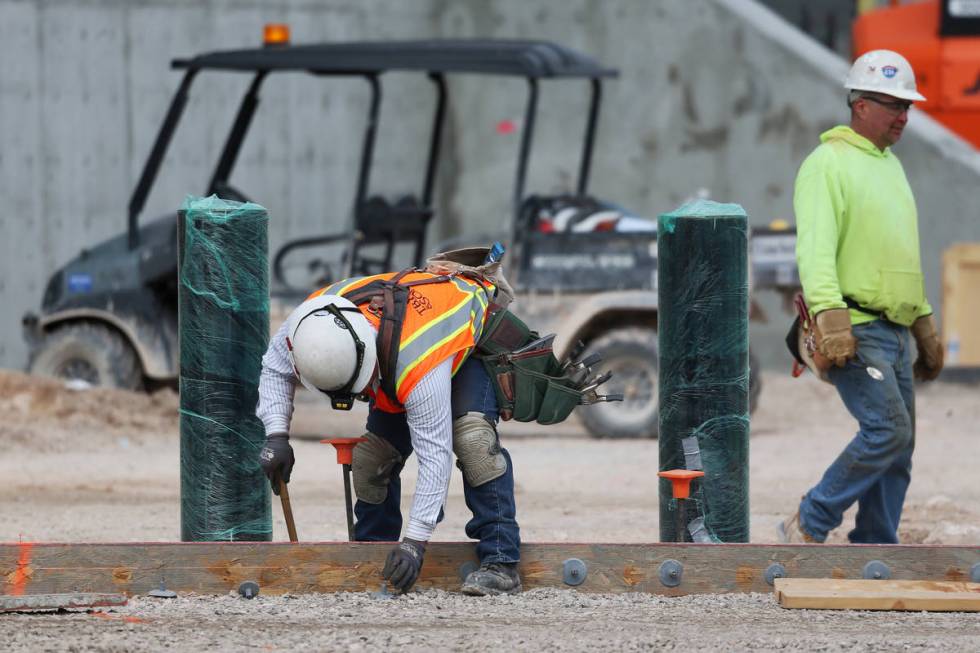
pixel 714 95
pixel 827 21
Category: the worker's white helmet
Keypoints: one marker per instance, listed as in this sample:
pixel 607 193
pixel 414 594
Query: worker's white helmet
pixel 883 71
pixel 332 348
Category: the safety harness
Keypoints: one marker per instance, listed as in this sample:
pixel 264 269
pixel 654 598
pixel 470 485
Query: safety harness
pixel 388 299
pixel 529 382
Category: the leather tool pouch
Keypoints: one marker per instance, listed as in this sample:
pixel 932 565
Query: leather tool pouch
pixel 530 386
pixel 802 341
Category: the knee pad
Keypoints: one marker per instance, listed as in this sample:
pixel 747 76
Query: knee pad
pixel 371 468
pixel 477 449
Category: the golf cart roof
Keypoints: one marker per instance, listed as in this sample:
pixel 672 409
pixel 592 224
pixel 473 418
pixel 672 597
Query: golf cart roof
pixel 539 59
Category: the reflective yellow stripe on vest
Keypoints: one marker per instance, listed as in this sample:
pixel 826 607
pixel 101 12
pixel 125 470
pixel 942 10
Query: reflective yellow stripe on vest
pixel 430 337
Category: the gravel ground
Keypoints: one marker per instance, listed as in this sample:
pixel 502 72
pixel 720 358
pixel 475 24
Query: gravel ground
pixel 103 466
pixel 545 620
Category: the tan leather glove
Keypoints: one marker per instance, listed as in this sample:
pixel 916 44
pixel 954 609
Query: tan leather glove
pixel 930 361
pixel 834 337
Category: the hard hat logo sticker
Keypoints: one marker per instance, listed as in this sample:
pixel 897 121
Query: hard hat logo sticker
pixel 889 71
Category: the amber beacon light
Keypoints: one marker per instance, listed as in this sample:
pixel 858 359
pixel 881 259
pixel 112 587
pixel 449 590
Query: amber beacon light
pixel 275 34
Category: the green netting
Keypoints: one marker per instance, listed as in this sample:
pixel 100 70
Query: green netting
pixel 704 380
pixel 223 302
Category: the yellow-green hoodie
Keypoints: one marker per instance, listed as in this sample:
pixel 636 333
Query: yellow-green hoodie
pixel 857 230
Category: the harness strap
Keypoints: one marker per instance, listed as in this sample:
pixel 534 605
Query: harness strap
pixel 389 298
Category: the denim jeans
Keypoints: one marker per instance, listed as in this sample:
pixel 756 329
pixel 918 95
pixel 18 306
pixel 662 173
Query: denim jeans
pixel 494 521
pixel 875 468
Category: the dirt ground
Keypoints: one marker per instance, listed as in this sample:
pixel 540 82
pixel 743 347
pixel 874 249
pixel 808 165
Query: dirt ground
pixel 98 465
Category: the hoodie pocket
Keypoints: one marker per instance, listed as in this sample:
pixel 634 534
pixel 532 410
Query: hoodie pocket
pixel 900 295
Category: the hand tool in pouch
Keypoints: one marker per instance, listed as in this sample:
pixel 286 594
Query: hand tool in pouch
pixel 544 342
pixel 573 353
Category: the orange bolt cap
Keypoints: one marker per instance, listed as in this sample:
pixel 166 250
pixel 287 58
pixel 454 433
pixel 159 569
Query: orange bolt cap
pixel 680 481
pixel 345 448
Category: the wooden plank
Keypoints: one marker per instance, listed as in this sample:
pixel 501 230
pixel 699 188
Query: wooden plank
pixel 961 311
pixel 281 567
pixel 32 602
pixel 833 594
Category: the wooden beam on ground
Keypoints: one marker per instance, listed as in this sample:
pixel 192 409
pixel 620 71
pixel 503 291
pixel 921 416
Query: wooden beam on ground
pixel 282 567
pixel 31 602
pixel 831 594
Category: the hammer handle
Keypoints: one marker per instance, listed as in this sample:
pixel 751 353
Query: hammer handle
pixel 287 511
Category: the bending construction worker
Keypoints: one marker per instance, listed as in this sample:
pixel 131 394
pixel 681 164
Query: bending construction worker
pixel 858 255
pixel 403 341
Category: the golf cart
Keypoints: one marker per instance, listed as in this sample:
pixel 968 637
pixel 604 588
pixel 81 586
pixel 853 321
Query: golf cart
pixel 109 317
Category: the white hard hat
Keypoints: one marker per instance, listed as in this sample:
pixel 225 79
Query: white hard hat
pixel 332 348
pixel 883 71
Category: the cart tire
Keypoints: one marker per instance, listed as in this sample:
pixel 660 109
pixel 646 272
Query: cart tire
pixel 90 352
pixel 631 355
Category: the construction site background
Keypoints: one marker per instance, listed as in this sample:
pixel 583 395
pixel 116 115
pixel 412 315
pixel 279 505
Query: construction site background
pixel 103 465
pixel 717 98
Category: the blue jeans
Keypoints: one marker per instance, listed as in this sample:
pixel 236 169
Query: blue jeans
pixel 494 521
pixel 875 468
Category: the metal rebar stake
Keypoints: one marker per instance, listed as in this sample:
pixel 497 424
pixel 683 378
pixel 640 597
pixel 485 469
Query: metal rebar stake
pixel 345 456
pixel 347 503
pixel 680 527
pixel 680 485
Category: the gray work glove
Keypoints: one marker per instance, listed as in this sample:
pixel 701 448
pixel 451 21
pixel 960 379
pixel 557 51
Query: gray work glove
pixel 404 564
pixel 276 459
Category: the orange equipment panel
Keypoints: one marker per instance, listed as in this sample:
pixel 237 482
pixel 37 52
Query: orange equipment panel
pixel 947 68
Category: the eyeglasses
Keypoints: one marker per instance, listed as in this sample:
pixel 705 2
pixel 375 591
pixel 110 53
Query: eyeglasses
pixel 894 108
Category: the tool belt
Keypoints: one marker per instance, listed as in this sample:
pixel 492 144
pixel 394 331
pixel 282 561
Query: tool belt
pixel 803 341
pixel 528 380
pixel 803 344
pixel 389 299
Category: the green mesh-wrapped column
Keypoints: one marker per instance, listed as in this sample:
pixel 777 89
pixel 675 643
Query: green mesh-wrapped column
pixel 223 302
pixel 704 375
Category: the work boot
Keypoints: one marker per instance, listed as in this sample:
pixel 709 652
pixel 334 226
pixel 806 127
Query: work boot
pixel 790 532
pixel 493 578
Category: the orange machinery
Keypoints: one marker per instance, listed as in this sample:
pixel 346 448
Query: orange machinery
pixel 941 39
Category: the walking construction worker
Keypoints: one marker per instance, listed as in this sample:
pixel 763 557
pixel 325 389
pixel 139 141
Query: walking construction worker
pixel 858 256
pixel 403 341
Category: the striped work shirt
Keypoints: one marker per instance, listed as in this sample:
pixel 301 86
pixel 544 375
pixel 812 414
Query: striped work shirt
pixel 429 415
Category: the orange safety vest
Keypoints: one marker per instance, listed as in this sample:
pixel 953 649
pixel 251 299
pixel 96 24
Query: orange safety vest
pixel 443 318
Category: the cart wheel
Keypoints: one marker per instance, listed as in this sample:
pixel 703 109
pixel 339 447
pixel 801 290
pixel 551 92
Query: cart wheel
pixel 90 352
pixel 631 355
